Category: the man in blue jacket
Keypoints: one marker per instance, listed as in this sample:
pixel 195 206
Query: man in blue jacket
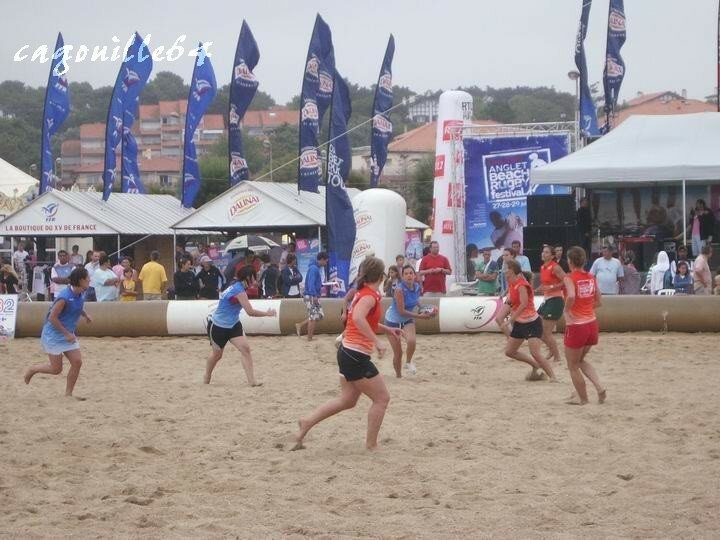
pixel 313 287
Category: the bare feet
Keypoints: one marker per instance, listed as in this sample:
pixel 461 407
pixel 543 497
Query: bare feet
pixel 576 401
pixel 28 375
pixel 77 398
pixel 302 426
pixel 206 379
pixel 253 385
pixel 535 375
pixel 602 396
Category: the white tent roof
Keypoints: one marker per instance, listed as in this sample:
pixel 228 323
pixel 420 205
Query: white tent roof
pixel 12 178
pixel 266 205
pixel 644 149
pixel 71 213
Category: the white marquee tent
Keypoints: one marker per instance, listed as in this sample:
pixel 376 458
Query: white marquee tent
pixel 644 150
pixel 13 181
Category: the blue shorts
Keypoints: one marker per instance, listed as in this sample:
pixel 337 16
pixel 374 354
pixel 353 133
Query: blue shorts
pixel 55 346
pixel 403 324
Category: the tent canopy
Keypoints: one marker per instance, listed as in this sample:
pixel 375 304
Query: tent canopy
pixel 266 206
pixel 13 181
pixel 69 213
pixel 644 150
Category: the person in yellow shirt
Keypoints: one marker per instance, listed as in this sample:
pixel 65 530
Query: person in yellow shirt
pixel 127 286
pixel 153 278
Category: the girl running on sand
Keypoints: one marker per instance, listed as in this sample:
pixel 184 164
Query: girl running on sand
pixel 358 375
pixel 224 324
pixel 58 333
pixel 551 285
pixel 525 322
pixel 581 326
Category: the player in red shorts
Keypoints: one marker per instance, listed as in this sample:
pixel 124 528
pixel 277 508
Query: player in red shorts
pixel 581 325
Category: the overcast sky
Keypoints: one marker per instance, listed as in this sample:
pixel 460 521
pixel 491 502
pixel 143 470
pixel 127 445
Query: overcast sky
pixel 440 44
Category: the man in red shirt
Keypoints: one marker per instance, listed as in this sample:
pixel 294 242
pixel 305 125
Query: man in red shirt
pixel 434 267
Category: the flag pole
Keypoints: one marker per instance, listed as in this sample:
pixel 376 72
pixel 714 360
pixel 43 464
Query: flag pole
pixel 717 88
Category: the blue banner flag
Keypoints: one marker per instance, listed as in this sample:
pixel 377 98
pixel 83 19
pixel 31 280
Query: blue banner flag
pixel 131 181
pixel 57 108
pixel 203 88
pixel 242 89
pixel 130 177
pixel 131 78
pixel 381 124
pixel 319 51
pixel 339 211
pixel 587 113
pixel 614 64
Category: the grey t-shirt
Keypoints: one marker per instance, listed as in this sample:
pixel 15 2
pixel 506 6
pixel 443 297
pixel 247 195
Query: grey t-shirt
pixel 607 272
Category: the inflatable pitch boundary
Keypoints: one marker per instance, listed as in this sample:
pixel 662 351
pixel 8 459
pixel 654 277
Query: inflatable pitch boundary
pixel 460 314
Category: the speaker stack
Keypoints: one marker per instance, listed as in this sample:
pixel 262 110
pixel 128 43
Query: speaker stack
pixel 551 220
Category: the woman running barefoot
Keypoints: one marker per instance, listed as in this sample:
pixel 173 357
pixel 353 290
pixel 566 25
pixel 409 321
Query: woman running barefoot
pixel 551 285
pixel 358 375
pixel 526 323
pixel 402 314
pixel 224 324
pixel 581 325
pixel 58 333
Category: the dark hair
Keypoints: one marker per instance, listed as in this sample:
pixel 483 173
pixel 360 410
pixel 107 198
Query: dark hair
pixel 128 271
pixel 705 249
pixel 154 255
pixel 512 252
pixel 291 258
pixel 371 271
pixel 434 242
pixel 410 266
pixel 576 256
pixel 514 266
pixel 185 259
pixel 104 259
pixel 399 256
pixel 515 242
pixel 322 256
pixel 245 273
pixel 682 248
pixel 265 258
pixel 701 201
pixel 76 275
pixel 426 250
pixel 61 252
pixel 75 247
pixel 683 263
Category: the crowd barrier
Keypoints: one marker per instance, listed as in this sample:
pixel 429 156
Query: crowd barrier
pixel 465 314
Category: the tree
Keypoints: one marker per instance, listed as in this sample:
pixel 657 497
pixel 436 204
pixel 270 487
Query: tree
pixel 261 101
pixel 422 180
pixel 214 172
pixel 20 143
pixel 166 86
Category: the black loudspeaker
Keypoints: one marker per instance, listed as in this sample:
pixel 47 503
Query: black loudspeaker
pixel 534 238
pixel 550 210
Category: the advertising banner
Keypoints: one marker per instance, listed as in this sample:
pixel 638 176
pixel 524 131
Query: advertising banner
pixel 306 250
pixel 497 183
pixel 8 316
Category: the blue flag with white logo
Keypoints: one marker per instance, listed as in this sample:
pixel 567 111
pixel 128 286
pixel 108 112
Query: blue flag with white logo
pixel 340 219
pixel 131 181
pixel 588 114
pixel 614 64
pixel 242 89
pixel 56 110
pixel 203 88
pixel 381 124
pixel 319 51
pixel 132 76
pixel 130 173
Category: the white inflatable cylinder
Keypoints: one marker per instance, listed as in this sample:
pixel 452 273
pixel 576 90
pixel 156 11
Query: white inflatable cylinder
pixel 455 110
pixel 380 224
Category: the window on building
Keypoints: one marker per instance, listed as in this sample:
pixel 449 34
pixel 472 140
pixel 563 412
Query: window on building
pixel 165 180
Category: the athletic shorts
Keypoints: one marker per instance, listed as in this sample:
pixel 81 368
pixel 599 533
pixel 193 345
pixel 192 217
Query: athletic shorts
pixel 578 336
pixel 398 324
pixel 355 365
pixel 314 310
pixel 220 336
pixel 552 308
pixel 58 346
pixel 527 330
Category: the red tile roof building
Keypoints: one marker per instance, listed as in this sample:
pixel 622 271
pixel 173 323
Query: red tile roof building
pixel 660 103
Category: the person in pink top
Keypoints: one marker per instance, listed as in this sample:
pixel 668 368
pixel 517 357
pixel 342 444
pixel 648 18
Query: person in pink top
pixel 434 268
pixel 702 277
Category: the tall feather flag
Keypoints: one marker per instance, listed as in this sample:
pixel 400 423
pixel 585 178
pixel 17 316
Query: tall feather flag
pixel 309 166
pixel 381 125
pixel 130 173
pixel 56 110
pixel 135 69
pixel 242 89
pixel 614 65
pixel 339 211
pixel 587 113
pixel 203 88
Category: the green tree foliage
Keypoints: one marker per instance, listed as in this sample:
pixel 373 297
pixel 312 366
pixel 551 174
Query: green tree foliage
pixel 19 143
pixel 165 86
pixel 214 171
pixel 422 178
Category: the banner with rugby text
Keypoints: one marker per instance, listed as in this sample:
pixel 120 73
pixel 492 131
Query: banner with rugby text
pixel 309 166
pixel 203 88
pixel 614 64
pixel 498 174
pixel 243 86
pixel 55 111
pixel 381 124
pixel 340 217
